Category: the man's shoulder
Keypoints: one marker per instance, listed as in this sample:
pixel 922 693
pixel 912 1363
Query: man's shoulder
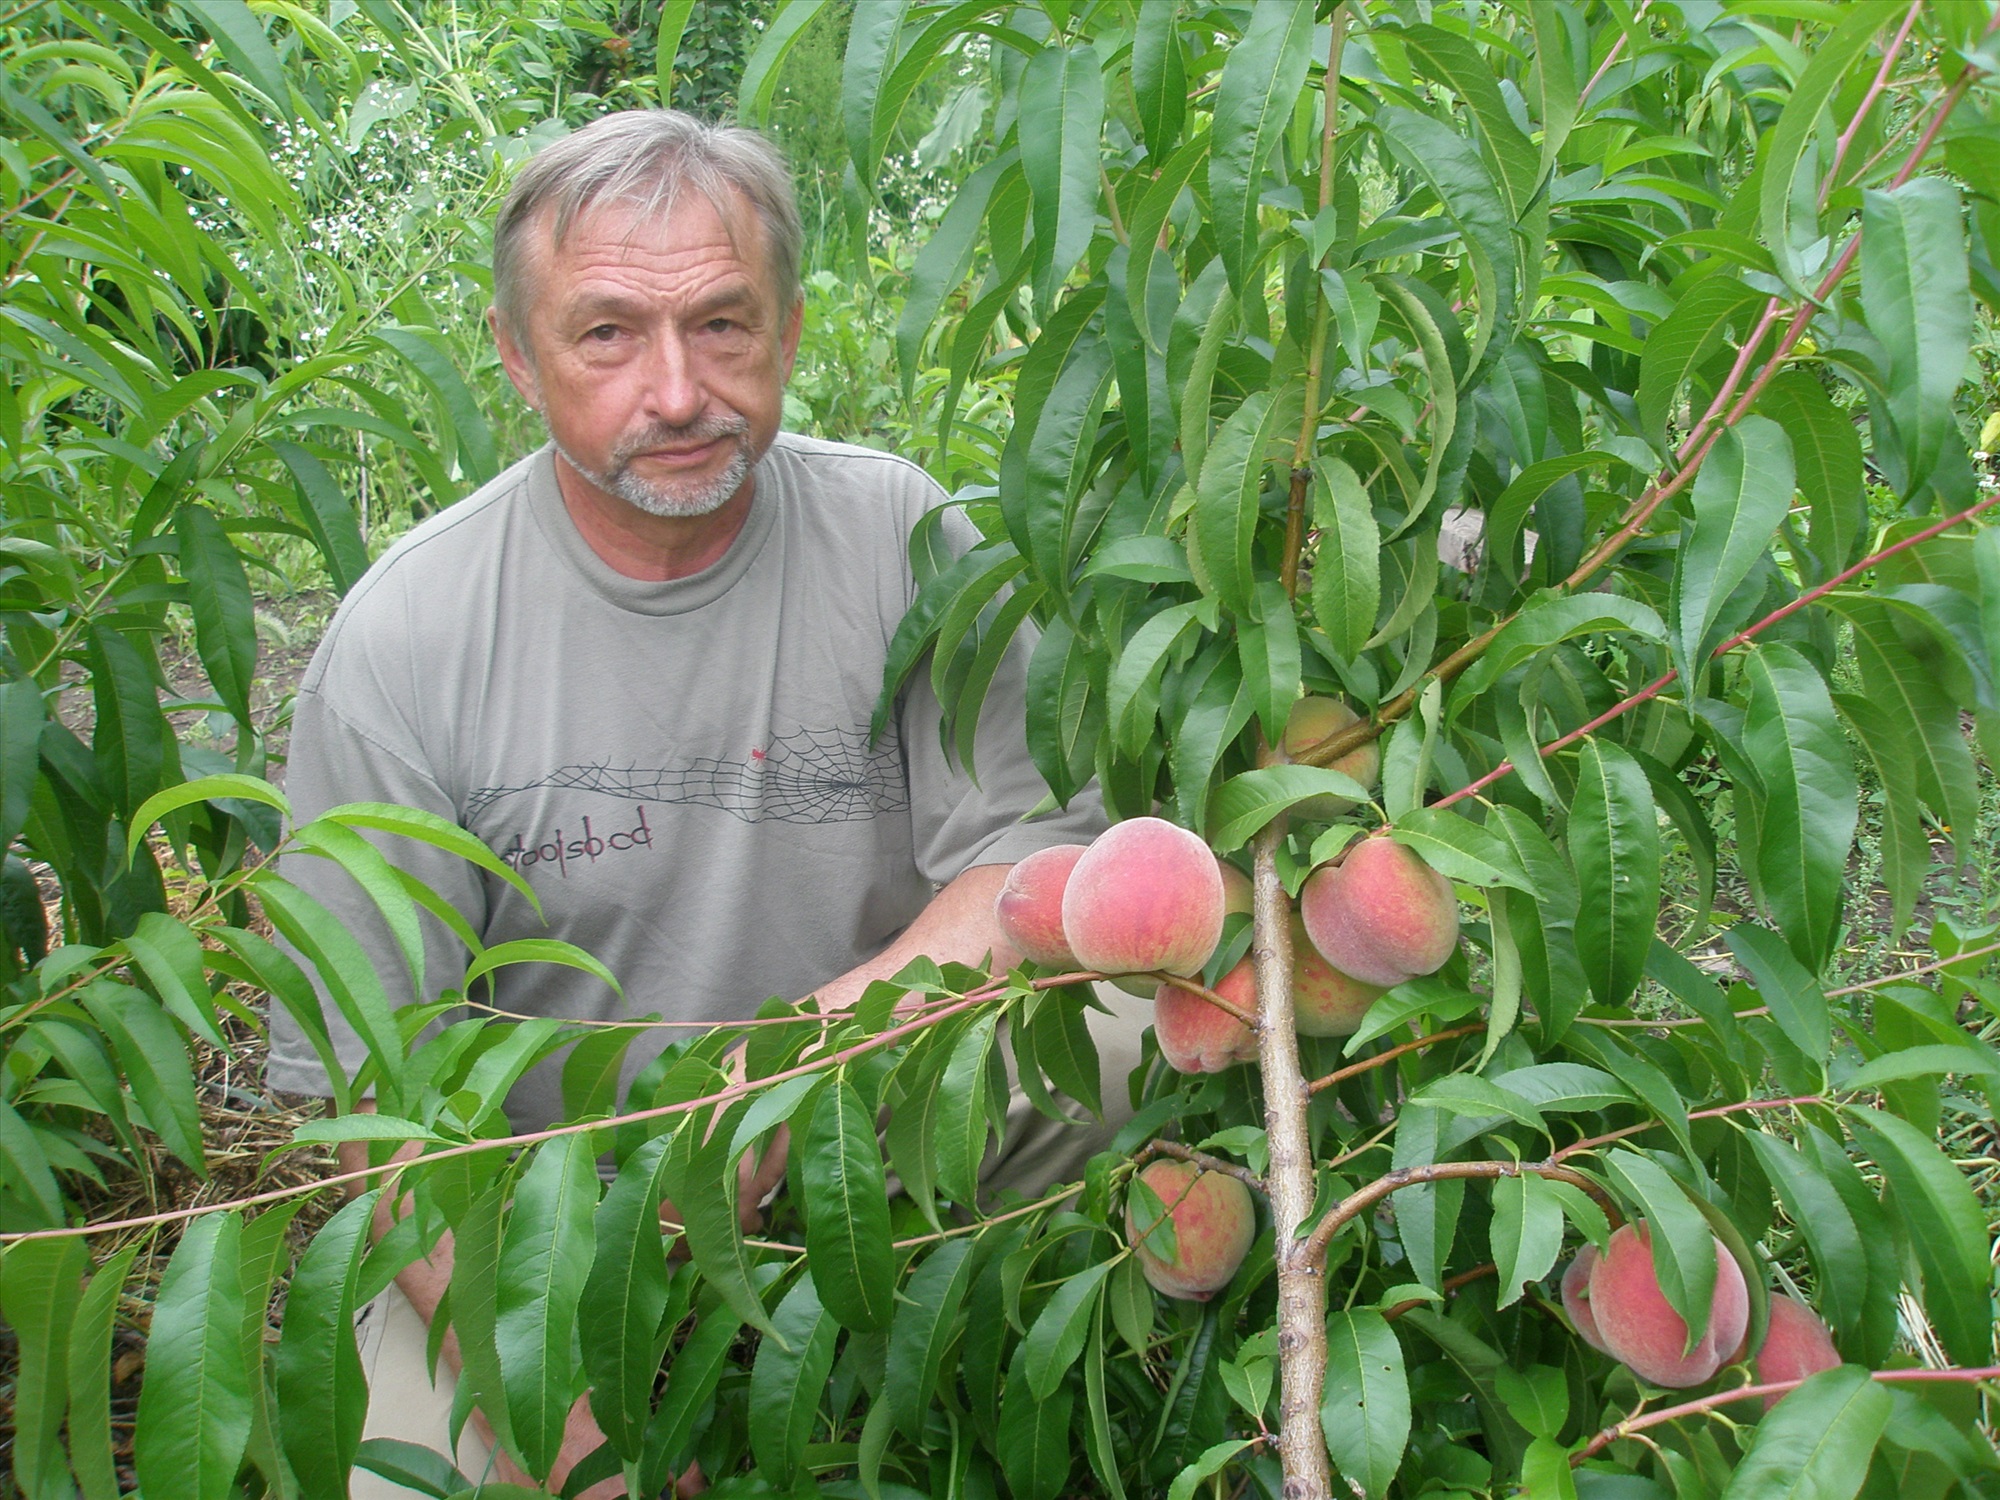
pixel 849 473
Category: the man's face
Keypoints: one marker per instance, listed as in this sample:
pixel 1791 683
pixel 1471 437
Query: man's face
pixel 657 353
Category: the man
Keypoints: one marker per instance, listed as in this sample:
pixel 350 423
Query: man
pixel 640 664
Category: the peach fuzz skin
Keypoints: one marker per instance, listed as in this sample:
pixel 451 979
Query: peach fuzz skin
pixel 1197 1037
pixel 1147 895
pixel 1029 906
pixel 1381 915
pixel 1214 1221
pixel 1642 1332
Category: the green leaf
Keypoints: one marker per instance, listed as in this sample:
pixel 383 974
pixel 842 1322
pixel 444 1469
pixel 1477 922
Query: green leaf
pixel 701 1180
pixel 327 515
pixel 1527 1232
pixel 341 965
pixel 1826 451
pixel 133 743
pixel 871 53
pixel 1946 1228
pixel 765 66
pixel 538 951
pixel 1366 1411
pixel 422 348
pixel 204 789
pixel 1470 1095
pixel 1055 1338
pixel 1036 1451
pixel 21 719
pixel 1262 76
pixel 1507 515
pixel 38 1296
pixel 170 957
pixel 1547 621
pixel 1212 1461
pixel 692 1375
pixel 1840 1263
pixel 1916 294
pixel 673 26
pixel 1681 342
pixel 1810 808
pixel 1347 564
pixel 152 1054
pixel 1247 802
pixel 961 1128
pixel 545 1259
pixel 240 35
pixel 1460 849
pixel 24 1165
pixel 926 1316
pixel 1835 57
pixel 1159 82
pixel 847 1210
pixel 322 1390
pixel 1741 495
pixel 1224 524
pixel 194 1408
pixel 429 828
pixel 1268 644
pixel 1797 1003
pixel 787 1381
pixel 225 625
pixel 1061 119
pixel 1816 1443
pixel 89 1371
pixel 1614 843
pixel 623 1301
pixel 1683 1244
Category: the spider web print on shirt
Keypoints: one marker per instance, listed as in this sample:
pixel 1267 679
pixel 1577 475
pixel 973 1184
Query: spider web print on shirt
pixel 808 776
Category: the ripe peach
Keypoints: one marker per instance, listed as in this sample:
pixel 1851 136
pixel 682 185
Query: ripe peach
pixel 1381 915
pixel 1147 895
pixel 1312 720
pixel 1325 1002
pixel 1029 907
pixel 1576 1297
pixel 1641 1331
pixel 1797 1344
pixel 1213 1221
pixel 1196 1037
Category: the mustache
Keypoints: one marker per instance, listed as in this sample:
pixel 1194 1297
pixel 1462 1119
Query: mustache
pixel 664 435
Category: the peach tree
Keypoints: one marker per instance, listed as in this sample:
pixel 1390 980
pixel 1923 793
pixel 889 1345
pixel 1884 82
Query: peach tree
pixel 1511 461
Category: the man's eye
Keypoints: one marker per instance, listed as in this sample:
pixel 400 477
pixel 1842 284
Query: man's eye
pixel 603 333
pixel 721 325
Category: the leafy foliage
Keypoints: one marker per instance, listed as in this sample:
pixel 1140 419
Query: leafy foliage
pixel 1670 308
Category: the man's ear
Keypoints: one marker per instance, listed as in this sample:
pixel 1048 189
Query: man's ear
pixel 788 340
pixel 514 359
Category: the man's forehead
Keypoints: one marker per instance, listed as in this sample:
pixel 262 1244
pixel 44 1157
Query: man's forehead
pixel 637 223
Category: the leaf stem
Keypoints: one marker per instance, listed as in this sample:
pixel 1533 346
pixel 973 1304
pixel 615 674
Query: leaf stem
pixel 1201 1159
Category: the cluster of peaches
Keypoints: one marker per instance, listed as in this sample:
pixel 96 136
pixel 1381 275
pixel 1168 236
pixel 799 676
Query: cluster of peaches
pixel 1149 898
pixel 1615 1301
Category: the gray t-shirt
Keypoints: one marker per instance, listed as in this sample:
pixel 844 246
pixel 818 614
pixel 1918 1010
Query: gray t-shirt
pixel 681 770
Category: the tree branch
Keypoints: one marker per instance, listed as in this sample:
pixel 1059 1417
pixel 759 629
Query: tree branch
pixel 1203 1160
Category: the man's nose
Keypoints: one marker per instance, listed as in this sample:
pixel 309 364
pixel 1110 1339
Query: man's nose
pixel 674 391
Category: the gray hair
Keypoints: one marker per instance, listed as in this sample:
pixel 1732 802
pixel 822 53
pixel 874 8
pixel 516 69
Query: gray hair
pixel 644 158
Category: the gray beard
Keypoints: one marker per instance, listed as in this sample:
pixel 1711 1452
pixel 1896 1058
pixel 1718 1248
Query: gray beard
pixel 676 499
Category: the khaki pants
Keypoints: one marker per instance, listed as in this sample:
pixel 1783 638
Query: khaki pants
pixel 404 1403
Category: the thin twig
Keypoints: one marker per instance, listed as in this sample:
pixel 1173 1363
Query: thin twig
pixel 1383 1059
pixel 1634 1425
pixel 1344 1212
pixel 1577 1147
pixel 1203 1160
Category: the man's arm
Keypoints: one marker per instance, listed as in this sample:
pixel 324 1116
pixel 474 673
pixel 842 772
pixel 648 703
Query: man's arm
pixel 957 927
